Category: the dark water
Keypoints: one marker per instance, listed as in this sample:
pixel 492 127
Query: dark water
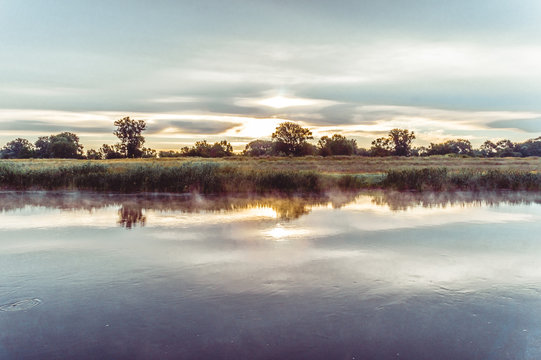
pixel 373 276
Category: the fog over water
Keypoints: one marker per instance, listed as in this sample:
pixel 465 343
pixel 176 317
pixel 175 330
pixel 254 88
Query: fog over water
pixel 375 275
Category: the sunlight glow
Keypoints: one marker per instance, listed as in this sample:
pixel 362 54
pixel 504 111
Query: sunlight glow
pixel 279 233
pixel 280 102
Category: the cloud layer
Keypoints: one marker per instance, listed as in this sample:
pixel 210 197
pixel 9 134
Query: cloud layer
pixel 209 71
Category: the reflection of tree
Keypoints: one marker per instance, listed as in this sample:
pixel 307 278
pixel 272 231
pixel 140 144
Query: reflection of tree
pixel 288 209
pixel 131 216
pixel 133 207
pixel 397 201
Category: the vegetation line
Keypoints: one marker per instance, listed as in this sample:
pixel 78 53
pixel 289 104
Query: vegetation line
pixel 289 139
pixel 219 178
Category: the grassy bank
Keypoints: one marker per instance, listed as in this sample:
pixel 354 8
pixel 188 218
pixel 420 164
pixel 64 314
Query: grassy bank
pixel 293 175
pixel 200 177
pixel 442 179
pixel 321 165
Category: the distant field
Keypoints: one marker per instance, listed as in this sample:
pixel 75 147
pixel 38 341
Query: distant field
pixel 322 165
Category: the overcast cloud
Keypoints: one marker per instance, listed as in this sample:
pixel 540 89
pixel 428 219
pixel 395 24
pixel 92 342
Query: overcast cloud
pixel 207 69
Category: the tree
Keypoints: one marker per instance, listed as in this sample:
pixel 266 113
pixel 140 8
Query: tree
pixel 397 142
pixel 291 138
pixel 17 149
pixel 401 139
pixel 458 146
pixel 204 149
pixel 148 153
pixel 111 151
pixel 381 147
pixel 169 154
pixel 488 149
pixel 200 148
pixel 94 155
pixel 259 148
pixel 64 145
pixel 336 145
pixel 129 132
pixel 221 149
pixel 530 147
pixel 505 148
pixel 43 147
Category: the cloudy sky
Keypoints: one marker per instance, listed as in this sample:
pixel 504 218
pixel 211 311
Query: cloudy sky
pixel 215 69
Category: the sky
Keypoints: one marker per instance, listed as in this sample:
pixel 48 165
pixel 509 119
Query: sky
pixel 234 70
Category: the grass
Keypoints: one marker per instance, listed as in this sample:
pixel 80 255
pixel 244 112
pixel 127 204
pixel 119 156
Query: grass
pixel 265 175
pixel 438 179
pixel 321 165
pixel 203 177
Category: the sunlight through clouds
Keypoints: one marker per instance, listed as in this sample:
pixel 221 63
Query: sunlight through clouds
pixel 359 74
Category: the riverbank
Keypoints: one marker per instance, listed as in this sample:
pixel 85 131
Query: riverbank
pixel 264 175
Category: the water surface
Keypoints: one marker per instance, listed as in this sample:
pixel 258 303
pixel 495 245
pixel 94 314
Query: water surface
pixel 367 276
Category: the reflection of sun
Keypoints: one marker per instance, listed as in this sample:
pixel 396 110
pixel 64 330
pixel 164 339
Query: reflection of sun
pixel 280 233
pixel 280 102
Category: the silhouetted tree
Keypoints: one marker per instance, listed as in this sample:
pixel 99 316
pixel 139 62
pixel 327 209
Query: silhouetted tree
pixel 94 155
pixel 291 138
pixel 64 145
pixel 204 149
pixel 17 149
pixel 259 148
pixel 129 132
pixel 111 151
pixel 488 149
pixel 530 147
pixel 43 147
pixel 458 146
pixel 171 153
pixel 381 147
pixel 398 142
pixel 401 139
pixel 148 153
pixel 336 145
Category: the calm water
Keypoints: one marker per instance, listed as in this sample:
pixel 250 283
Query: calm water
pixel 372 276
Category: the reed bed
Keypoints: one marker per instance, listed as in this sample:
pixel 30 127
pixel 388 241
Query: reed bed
pixel 223 177
pixel 441 179
pixel 203 177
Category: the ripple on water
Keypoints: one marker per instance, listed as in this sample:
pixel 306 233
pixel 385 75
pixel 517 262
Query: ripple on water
pixel 20 305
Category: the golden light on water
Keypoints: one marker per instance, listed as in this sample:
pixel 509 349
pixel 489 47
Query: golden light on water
pixel 281 233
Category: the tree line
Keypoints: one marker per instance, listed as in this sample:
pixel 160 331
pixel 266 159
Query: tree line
pixel 289 139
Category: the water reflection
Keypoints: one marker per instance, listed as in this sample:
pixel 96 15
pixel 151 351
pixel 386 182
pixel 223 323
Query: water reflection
pixel 130 216
pixel 342 276
pixel 400 201
pixel 132 210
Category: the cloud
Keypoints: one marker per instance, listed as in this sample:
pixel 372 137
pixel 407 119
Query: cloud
pixel 526 125
pixel 36 126
pixel 201 127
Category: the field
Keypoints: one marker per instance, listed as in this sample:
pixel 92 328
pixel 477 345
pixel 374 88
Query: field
pixel 275 174
pixel 323 165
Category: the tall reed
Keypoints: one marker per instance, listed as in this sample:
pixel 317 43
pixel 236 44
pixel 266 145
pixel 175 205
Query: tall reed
pixel 436 179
